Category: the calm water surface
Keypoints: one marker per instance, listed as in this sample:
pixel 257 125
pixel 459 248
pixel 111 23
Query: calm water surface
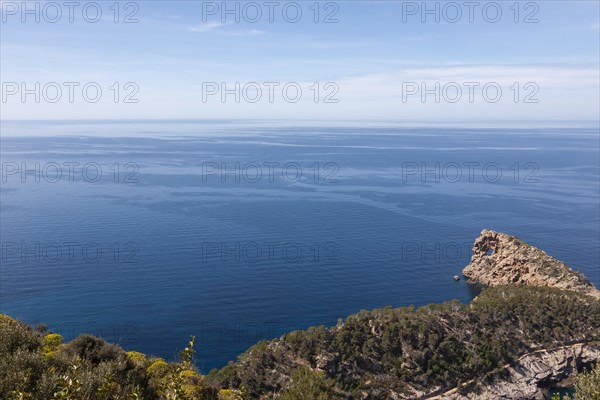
pixel 236 233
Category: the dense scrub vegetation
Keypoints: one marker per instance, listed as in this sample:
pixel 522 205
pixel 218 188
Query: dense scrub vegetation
pixel 586 385
pixel 37 365
pixel 370 355
pixel 401 350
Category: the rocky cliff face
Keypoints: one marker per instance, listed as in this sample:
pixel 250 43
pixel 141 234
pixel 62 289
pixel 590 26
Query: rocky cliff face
pixel 501 259
pixel 530 377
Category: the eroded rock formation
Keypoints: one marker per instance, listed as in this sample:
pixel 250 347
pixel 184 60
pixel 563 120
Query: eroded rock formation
pixel 531 376
pixel 501 259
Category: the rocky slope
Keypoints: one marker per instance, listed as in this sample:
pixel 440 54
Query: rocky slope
pixel 420 354
pixel 530 376
pixel 501 259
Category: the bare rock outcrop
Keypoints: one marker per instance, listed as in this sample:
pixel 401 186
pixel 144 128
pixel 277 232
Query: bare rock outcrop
pixel 531 376
pixel 501 259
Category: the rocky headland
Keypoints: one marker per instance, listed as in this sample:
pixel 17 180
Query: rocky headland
pixel 501 259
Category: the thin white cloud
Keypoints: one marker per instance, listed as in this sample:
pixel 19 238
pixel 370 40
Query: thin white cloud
pixel 336 44
pixel 546 76
pixel 216 27
pixel 206 27
pixel 595 26
pixel 250 32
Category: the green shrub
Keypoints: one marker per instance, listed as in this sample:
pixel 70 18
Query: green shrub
pixel 587 384
pixel 308 384
pixel 138 359
pixel 51 343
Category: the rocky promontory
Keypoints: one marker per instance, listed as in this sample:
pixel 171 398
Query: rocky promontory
pixel 501 259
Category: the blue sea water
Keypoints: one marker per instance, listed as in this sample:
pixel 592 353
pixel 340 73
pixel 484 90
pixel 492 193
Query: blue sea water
pixel 238 232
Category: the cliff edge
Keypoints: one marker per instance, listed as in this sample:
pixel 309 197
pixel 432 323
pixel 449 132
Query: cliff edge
pixel 530 377
pixel 501 259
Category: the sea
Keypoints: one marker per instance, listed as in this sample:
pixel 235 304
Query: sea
pixel 148 232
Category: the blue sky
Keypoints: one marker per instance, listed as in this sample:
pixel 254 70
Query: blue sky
pixel 375 53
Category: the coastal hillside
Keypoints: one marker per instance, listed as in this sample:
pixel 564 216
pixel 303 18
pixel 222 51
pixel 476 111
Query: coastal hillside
pixel 531 331
pixel 514 341
pixel 403 353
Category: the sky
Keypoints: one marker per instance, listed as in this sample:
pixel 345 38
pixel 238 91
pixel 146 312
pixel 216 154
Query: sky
pixel 304 60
